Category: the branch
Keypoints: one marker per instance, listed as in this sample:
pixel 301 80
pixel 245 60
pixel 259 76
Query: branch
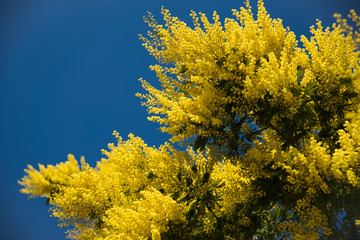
pixel 287 140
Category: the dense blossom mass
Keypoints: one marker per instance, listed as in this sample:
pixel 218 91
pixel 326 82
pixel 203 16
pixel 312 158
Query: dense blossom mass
pixel 270 128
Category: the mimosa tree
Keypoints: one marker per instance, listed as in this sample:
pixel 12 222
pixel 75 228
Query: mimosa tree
pixel 268 136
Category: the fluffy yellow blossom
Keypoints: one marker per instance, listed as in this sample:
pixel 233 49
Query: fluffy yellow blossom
pixel 144 218
pixel 312 223
pixel 354 31
pixel 122 187
pixel 46 180
pixel 218 67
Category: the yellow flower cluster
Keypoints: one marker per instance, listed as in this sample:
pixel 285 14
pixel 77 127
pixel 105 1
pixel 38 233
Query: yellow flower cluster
pixel 236 188
pixel 214 70
pixel 121 198
pixel 130 194
pixel 312 223
pixel 309 171
pixel 345 160
pixel 355 33
pixel 45 181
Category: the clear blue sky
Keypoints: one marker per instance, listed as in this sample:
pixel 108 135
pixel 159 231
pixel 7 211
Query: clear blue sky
pixel 69 72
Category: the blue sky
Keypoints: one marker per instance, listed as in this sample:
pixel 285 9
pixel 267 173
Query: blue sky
pixel 69 72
